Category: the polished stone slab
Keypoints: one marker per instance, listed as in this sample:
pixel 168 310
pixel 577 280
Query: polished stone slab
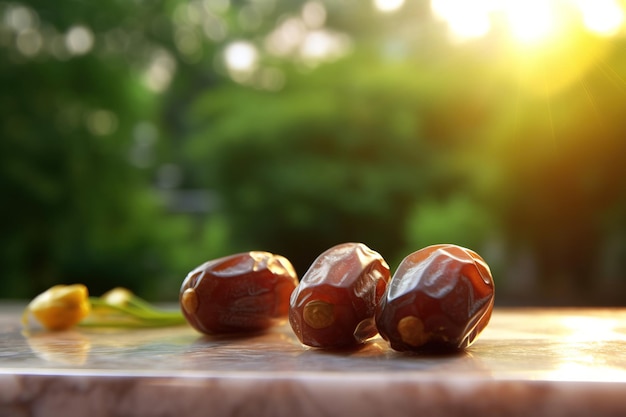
pixel 528 362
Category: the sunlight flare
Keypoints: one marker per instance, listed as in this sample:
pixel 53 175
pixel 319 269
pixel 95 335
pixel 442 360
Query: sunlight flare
pixel 552 43
pixel 466 20
pixel 529 21
pixel 603 17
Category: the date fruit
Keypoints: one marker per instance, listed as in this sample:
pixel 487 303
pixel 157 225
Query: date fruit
pixel 244 292
pixel 335 303
pixel 439 299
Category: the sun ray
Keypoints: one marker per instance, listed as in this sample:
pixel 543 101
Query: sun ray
pixel 550 115
pixel 518 112
pixel 593 102
pixel 612 75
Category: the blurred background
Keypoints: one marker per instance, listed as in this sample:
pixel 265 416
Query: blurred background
pixel 141 138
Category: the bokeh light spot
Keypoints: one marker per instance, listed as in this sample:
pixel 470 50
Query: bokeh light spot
pixel 314 14
pixel 102 122
pixel 20 18
pixel 160 71
pixel 388 5
pixel 29 42
pixel 241 56
pixel 79 40
pixel 603 17
pixel 466 20
pixel 530 20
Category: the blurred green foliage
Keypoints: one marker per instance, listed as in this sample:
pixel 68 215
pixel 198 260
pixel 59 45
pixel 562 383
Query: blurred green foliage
pixel 130 151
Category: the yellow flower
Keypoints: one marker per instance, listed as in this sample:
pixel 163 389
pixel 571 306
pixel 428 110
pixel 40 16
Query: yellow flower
pixel 59 308
pixel 64 306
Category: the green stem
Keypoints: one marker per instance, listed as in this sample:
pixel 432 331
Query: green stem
pixel 136 313
pixel 129 324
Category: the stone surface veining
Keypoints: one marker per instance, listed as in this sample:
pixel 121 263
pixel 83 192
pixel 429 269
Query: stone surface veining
pixel 556 362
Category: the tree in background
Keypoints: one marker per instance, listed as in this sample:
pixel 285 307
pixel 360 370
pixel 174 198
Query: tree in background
pixel 142 140
pixel 410 139
pixel 78 107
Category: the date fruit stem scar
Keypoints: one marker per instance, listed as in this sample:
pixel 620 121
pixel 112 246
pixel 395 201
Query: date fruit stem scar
pixel 318 314
pixel 411 330
pixel 189 300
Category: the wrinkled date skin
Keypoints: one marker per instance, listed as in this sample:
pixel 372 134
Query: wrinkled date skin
pixel 439 299
pixel 335 303
pixel 245 292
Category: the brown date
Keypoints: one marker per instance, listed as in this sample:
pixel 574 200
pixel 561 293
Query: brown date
pixel 335 303
pixel 439 299
pixel 244 292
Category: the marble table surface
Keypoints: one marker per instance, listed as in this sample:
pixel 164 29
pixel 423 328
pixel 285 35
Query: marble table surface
pixel 528 362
